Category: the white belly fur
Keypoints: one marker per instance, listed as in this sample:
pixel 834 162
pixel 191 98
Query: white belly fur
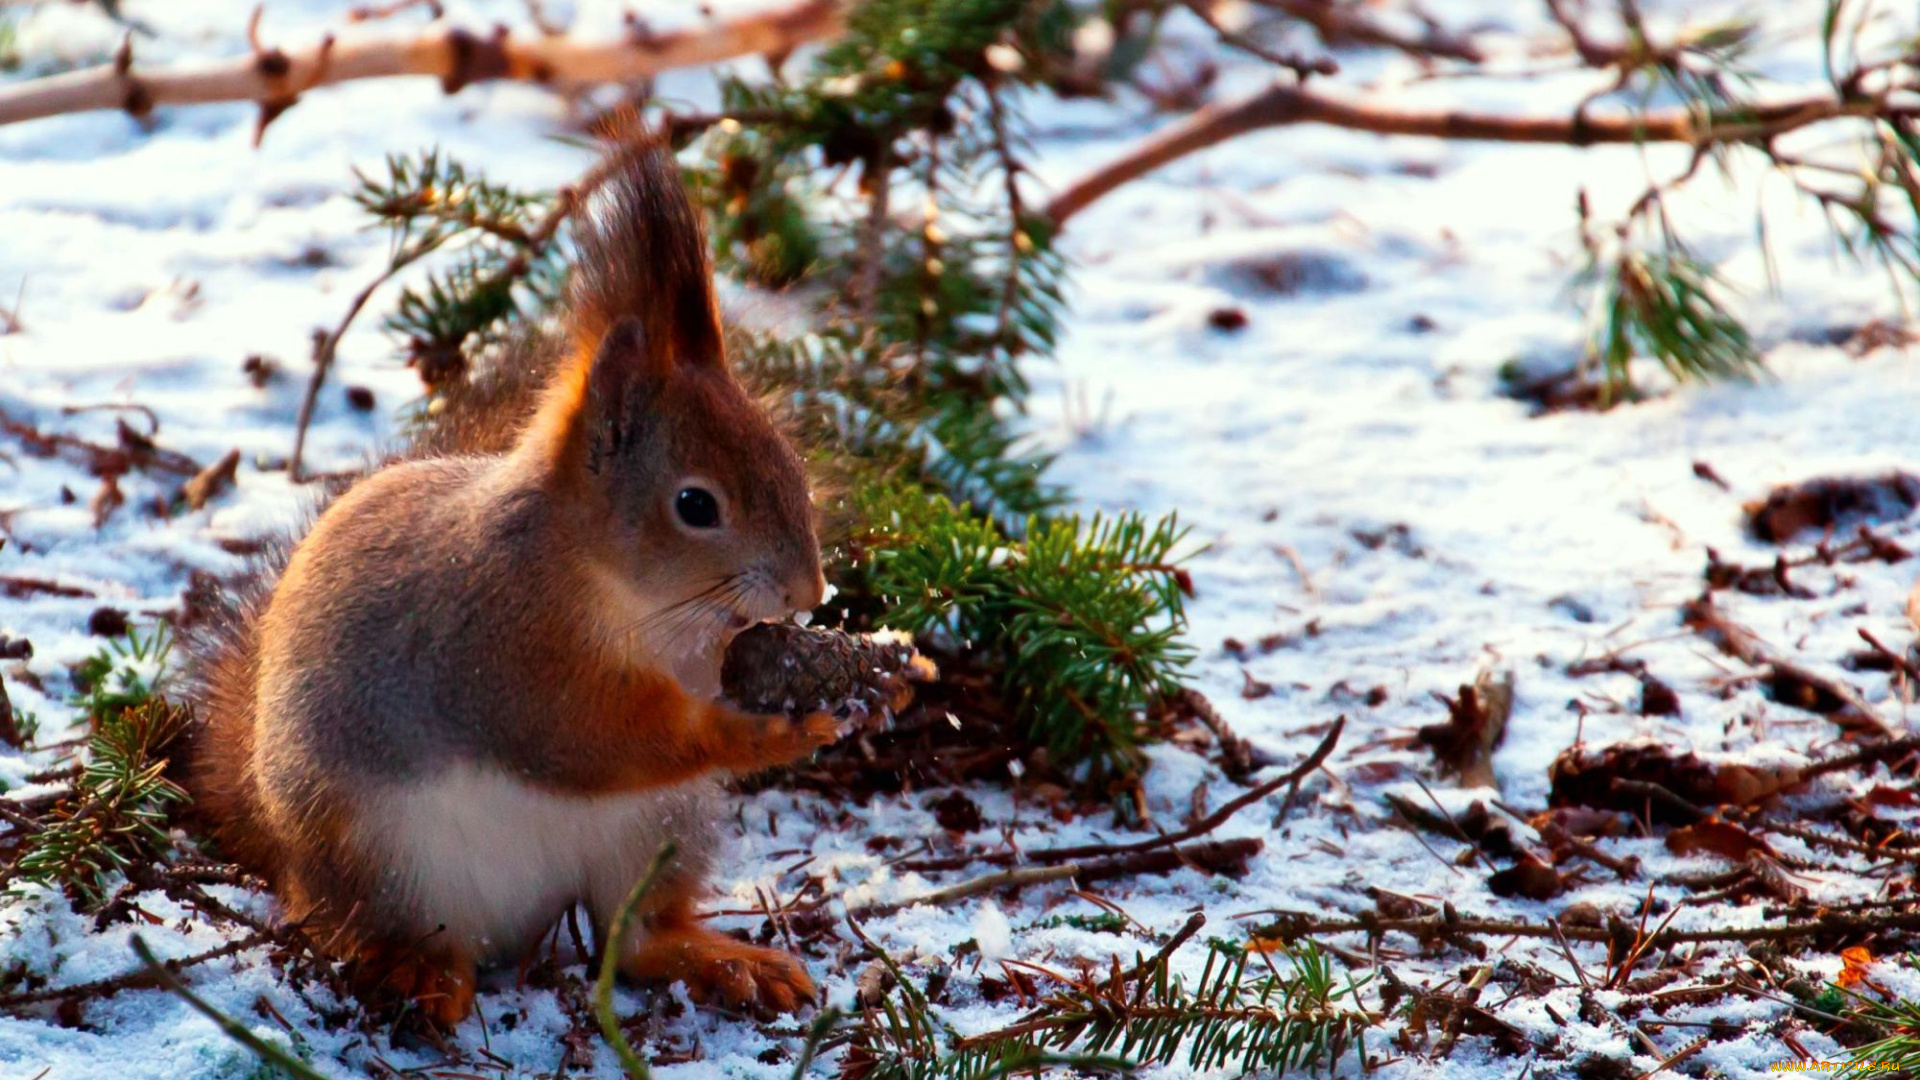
pixel 494 860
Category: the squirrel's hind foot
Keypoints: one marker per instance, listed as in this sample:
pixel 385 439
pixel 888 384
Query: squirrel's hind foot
pixel 716 968
pixel 439 986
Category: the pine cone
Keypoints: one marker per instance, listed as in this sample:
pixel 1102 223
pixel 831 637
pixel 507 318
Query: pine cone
pixel 780 667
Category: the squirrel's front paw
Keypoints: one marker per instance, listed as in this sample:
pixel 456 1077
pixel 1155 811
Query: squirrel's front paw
pixel 715 968
pixel 784 739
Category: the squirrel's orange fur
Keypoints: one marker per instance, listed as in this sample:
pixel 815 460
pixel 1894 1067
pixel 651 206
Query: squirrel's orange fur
pixel 482 687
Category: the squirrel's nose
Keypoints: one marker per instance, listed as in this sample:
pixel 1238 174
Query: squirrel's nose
pixel 808 591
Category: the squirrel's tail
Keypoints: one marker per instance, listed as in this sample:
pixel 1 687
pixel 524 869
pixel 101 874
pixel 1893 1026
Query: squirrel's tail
pixel 643 255
pixel 214 761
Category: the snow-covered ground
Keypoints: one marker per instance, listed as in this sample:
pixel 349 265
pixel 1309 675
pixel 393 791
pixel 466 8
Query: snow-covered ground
pixel 150 264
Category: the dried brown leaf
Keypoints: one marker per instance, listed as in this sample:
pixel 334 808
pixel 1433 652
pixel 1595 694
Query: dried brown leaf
pixel 1716 837
pixel 1475 725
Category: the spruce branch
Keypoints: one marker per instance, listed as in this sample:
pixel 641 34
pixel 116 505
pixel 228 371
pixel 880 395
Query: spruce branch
pixel 1234 1016
pixel 1083 617
pixel 116 814
pixel 506 243
pixel 946 287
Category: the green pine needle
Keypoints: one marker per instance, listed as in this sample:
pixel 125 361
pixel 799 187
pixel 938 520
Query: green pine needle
pixel 1235 1017
pixel 1666 306
pixel 502 269
pixel 1083 618
pixel 117 814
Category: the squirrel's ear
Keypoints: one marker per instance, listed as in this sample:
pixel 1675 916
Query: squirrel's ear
pixel 625 369
pixel 598 407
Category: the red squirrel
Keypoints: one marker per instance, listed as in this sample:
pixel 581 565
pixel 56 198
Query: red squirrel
pixel 482 689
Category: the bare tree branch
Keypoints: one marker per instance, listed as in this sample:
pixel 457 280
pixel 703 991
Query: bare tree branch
pixel 1349 23
pixel 456 56
pixel 1283 105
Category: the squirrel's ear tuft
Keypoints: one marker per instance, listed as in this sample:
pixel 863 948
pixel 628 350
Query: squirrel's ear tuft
pixel 643 254
pixel 699 341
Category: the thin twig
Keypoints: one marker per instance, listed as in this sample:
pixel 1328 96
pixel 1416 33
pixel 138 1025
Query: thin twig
pixel 1343 23
pixel 1215 856
pixel 1200 828
pixel 1899 660
pixel 1292 926
pixel 233 1029
pixel 1211 821
pixel 136 979
pixel 1004 879
pixel 325 345
pixel 1892 750
pixel 1301 66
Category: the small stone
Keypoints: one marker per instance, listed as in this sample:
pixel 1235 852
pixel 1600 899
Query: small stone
pixel 1582 913
pixel 1227 319
pixel 107 622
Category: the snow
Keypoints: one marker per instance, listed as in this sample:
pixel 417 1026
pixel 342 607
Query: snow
pixel 151 264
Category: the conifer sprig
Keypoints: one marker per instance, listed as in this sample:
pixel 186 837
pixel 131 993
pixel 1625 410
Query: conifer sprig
pixel 114 808
pixel 1670 307
pixel 1897 1048
pixel 1082 618
pixel 1240 1017
pixel 950 280
pixel 116 813
pixel 124 674
pixel 506 264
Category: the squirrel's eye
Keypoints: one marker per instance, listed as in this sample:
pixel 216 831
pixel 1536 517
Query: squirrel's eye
pixel 697 508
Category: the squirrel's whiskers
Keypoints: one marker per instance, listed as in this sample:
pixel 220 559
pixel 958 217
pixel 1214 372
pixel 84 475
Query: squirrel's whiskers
pixel 711 613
